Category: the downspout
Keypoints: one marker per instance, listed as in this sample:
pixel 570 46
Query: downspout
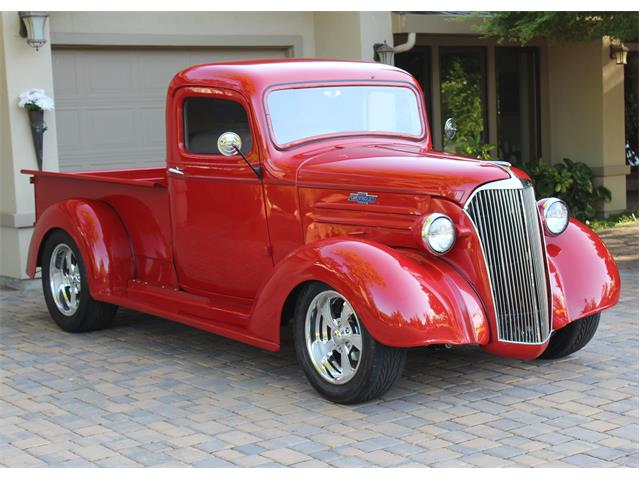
pixel 406 46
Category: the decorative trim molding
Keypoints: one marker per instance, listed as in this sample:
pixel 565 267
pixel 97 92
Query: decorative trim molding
pixel 20 283
pixel 293 43
pixel 17 220
pixel 611 170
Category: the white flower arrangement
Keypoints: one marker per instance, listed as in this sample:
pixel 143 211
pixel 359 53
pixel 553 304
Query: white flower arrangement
pixel 35 99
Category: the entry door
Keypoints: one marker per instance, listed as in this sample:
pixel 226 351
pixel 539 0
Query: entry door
pixel 221 241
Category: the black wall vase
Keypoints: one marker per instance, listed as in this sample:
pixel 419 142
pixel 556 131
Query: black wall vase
pixel 38 127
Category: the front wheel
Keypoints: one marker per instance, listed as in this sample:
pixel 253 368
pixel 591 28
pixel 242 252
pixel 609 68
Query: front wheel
pixel 66 288
pixel 339 356
pixel 572 338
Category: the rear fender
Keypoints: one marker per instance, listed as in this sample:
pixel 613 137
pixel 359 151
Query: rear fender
pixel 101 238
pixel 403 298
pixel 584 276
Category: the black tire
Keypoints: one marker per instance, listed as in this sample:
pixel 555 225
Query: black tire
pixel 90 314
pixel 379 365
pixel 572 338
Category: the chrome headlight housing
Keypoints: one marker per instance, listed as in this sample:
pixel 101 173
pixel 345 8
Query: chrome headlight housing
pixel 555 215
pixel 438 233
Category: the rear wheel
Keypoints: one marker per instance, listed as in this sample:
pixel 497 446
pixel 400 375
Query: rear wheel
pixel 572 338
pixel 66 289
pixel 340 358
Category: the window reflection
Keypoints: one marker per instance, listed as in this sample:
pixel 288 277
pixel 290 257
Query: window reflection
pixel 518 104
pixel 463 94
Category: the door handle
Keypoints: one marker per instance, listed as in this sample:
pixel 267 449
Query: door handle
pixel 176 170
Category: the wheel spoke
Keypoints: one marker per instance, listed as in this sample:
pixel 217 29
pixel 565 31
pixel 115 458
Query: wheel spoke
pixel 62 294
pixel 326 313
pixel 355 340
pixel 345 363
pixel 68 261
pixel 72 296
pixel 345 315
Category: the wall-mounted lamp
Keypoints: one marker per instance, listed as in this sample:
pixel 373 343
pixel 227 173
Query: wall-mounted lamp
pixel 384 53
pixel 618 51
pixel 32 28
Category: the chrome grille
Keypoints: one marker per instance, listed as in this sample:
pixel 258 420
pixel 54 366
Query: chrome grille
pixel 507 223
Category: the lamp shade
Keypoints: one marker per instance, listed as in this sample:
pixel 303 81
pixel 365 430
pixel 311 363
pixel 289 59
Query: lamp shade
pixel 385 53
pixel 34 24
pixel 618 51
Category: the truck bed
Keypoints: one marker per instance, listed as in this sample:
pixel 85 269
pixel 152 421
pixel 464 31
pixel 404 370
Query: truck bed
pixel 139 197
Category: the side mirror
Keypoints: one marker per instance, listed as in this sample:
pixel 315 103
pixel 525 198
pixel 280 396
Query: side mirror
pixel 450 130
pixel 229 143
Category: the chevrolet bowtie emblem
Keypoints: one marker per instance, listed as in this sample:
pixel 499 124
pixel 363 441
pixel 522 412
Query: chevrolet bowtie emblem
pixel 363 198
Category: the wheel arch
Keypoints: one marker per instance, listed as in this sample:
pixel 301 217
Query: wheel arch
pixel 289 306
pixel 574 256
pixel 404 299
pixel 100 236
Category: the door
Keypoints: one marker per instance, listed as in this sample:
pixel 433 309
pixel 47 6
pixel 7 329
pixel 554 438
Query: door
pixel 110 101
pixel 221 241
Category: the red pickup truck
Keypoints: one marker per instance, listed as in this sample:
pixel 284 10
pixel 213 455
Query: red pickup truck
pixel 308 192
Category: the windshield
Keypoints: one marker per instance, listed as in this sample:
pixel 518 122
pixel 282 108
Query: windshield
pixel 301 113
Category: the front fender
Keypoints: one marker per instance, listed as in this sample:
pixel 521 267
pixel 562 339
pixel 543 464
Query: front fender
pixel 100 236
pixel 584 276
pixel 403 298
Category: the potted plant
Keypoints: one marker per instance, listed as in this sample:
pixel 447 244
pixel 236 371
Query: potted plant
pixel 35 102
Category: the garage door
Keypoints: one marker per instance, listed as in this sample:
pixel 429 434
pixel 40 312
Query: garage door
pixel 110 102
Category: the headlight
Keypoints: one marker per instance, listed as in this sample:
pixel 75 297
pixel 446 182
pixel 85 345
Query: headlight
pixel 555 215
pixel 438 233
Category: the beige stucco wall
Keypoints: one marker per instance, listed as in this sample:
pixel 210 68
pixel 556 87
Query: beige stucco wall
pixel 435 24
pixel 221 28
pixel 351 35
pixel 586 121
pixel 21 68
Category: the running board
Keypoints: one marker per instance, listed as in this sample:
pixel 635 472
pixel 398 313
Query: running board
pixel 226 318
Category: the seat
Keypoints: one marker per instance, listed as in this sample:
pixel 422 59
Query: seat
pixel 206 142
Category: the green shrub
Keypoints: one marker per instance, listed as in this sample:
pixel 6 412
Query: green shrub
pixel 474 147
pixel 570 181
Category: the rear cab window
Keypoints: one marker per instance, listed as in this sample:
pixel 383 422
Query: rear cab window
pixel 205 119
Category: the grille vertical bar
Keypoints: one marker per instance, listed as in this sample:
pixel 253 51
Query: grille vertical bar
pixel 509 230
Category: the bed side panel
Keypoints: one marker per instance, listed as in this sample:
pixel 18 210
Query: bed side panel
pixel 143 209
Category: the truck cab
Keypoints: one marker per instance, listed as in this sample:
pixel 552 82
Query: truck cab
pixel 308 193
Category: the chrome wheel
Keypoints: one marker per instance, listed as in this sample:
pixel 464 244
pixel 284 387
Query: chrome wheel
pixel 65 280
pixel 333 337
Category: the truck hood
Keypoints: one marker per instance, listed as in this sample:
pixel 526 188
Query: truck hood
pixel 401 169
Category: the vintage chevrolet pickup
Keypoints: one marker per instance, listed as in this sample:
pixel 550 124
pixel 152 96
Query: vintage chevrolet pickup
pixel 308 192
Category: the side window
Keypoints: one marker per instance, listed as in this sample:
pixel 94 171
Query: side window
pixel 205 119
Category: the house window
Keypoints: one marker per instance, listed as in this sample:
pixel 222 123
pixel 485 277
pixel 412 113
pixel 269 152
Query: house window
pixel 493 92
pixel 205 119
pixel 463 77
pixel 518 105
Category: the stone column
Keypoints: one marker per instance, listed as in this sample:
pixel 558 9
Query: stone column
pixel 21 68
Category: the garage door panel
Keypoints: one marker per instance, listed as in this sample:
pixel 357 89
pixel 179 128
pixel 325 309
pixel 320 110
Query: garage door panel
pixel 151 126
pixel 112 127
pixel 64 74
pixel 158 68
pixel 108 73
pixel 68 137
pixel 110 102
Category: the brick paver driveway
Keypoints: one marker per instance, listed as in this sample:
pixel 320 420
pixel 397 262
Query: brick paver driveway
pixel 151 392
